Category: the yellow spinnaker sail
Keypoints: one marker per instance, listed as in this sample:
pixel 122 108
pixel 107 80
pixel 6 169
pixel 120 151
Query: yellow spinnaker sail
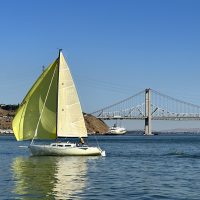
pixel 33 107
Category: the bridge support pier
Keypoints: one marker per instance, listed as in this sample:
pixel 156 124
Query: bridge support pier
pixel 147 126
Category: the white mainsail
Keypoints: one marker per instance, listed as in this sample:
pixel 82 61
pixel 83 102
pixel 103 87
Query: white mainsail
pixel 70 121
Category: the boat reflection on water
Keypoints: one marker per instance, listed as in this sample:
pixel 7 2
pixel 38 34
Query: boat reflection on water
pixel 71 178
pixel 49 177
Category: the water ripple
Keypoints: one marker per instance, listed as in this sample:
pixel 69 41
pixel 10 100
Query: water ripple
pixel 134 168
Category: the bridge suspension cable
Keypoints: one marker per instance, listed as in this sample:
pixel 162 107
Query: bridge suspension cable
pixel 119 102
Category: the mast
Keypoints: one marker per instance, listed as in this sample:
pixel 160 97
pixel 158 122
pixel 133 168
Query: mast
pixel 60 50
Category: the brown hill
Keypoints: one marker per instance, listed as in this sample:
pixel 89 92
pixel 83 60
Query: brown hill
pixel 93 124
pixel 6 117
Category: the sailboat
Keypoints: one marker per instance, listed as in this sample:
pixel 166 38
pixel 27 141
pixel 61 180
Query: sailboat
pixel 51 110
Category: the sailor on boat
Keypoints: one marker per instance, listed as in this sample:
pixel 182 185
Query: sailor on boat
pixel 82 141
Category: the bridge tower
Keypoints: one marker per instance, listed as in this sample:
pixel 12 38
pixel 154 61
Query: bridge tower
pixel 147 126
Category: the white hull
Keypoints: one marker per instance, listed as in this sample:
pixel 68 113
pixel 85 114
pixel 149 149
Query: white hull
pixel 58 149
pixel 149 134
pixel 117 130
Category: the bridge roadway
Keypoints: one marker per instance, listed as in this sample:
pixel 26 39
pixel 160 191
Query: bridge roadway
pixel 186 118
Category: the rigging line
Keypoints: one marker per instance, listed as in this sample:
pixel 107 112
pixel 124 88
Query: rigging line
pixel 43 107
pixel 100 86
pixel 88 79
pixel 104 87
pixel 97 141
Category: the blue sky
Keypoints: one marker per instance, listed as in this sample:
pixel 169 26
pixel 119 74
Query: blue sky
pixel 115 48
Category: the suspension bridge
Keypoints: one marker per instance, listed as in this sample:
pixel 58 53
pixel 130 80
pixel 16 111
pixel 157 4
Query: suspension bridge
pixel 149 105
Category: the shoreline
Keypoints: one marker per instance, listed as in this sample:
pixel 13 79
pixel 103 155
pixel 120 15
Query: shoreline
pixel 130 133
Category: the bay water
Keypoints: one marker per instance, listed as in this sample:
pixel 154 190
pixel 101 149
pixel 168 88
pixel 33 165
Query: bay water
pixel 135 167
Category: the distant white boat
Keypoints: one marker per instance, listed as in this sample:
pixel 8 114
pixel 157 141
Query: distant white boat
pixel 117 130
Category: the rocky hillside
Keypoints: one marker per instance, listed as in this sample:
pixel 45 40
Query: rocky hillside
pixel 6 116
pixel 93 124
